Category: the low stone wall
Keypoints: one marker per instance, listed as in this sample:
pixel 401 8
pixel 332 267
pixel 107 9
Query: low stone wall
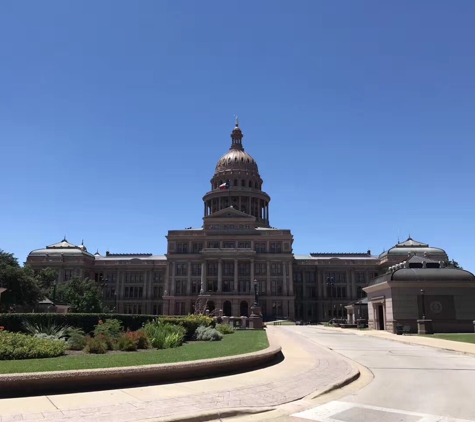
pixel 41 383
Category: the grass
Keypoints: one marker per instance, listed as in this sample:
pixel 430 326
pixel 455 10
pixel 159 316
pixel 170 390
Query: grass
pixel 233 344
pixel 466 338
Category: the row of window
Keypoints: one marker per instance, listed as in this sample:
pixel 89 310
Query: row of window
pixel 242 182
pixel 334 292
pixel 132 292
pixel 259 247
pixel 243 286
pixel 244 268
pixel 335 277
pixel 130 277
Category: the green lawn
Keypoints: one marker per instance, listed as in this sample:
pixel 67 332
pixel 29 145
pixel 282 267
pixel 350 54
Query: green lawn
pixel 232 344
pixel 466 338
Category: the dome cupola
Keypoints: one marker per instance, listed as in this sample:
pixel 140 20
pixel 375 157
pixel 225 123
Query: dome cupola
pixel 236 182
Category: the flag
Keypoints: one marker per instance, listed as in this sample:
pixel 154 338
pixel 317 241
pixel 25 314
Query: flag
pixel 224 186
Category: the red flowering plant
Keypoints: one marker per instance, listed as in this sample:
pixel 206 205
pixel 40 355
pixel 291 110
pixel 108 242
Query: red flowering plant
pixel 2 328
pixel 139 338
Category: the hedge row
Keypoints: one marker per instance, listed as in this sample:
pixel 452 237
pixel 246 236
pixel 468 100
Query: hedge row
pixel 14 322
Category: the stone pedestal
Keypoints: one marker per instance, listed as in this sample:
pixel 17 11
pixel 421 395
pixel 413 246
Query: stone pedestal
pixel 255 320
pixel 226 320
pixel 243 322
pixel 424 326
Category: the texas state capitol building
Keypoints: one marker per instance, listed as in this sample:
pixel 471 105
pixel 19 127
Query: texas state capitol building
pixel 235 246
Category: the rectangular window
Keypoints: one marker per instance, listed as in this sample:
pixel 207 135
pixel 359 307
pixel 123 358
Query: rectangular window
pixel 228 286
pixel 244 268
pixel 277 287
pixel 157 277
pixel 262 287
pixel 134 277
pixel 181 269
pixel 297 277
pixel 68 274
pixel 195 269
pixel 182 247
pixel 212 268
pixel 244 286
pixel 276 269
pixel 213 245
pixel 360 277
pixel 242 245
pixel 179 308
pixel 260 268
pixel 180 287
pixel 310 277
pixel 337 277
pixel 260 247
pixel 311 291
pixel 299 292
pixel 276 247
pixel 228 268
pixel 111 278
pixel 212 286
pixel 157 309
pixel 277 310
pixel 196 247
pixel 195 287
pixel 229 245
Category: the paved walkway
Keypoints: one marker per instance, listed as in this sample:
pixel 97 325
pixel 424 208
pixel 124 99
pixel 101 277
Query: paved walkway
pixel 306 369
pixel 457 346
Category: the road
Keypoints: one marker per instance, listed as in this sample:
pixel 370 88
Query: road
pixel 411 383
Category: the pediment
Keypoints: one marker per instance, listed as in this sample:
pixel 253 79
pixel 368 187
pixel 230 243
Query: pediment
pixel 231 213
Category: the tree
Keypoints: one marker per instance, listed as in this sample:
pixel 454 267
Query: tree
pixel 84 296
pixel 22 287
pixel 452 264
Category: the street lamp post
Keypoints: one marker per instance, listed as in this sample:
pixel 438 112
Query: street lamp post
pixel 330 282
pixel 423 305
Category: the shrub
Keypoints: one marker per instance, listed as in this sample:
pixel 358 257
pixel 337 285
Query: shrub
pixel 140 338
pixel 127 343
pixel 164 336
pixel 76 340
pixel 203 333
pixel 225 329
pixel 87 322
pixel 22 346
pixel 95 345
pixel 190 323
pixel 46 330
pixel 109 328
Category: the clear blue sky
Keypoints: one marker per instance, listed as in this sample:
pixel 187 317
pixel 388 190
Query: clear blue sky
pixel 360 115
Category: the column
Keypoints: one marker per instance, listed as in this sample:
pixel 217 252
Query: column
pixel 203 277
pixel 348 291
pixel 291 279
pixel 172 287
pixel 188 282
pixel 235 287
pixel 269 290
pixel 284 277
pixel 319 284
pixel 220 275
pixel 353 284
pixel 325 287
pixel 204 211
pixel 240 203
pixel 252 272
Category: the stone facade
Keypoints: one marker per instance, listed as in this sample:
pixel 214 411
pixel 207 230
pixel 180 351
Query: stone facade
pixel 235 247
pixel 422 289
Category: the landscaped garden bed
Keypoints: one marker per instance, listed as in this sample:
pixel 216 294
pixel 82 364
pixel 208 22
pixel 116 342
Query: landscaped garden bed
pixel 49 347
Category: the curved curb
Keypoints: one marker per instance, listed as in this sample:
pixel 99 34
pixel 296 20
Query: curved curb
pixel 119 377
pixel 213 415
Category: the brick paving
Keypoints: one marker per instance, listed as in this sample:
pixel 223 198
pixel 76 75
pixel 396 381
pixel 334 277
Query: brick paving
pixel 328 369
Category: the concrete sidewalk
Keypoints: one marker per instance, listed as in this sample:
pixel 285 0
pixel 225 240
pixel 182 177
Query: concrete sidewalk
pixel 307 369
pixel 456 346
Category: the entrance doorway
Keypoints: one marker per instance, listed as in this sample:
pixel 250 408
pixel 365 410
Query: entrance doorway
pixel 227 308
pixel 380 317
pixel 243 309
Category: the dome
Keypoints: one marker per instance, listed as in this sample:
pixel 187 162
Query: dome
pixel 236 159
